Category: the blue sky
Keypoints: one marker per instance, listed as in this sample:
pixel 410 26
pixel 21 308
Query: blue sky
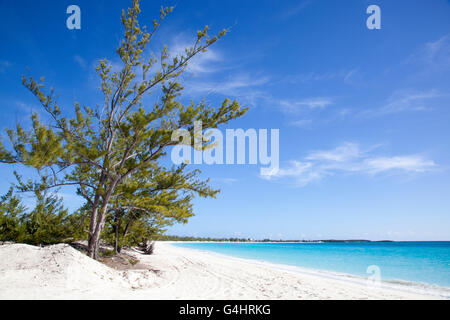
pixel 363 114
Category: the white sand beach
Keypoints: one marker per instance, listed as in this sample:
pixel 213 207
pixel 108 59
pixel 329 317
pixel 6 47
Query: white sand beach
pixel 61 272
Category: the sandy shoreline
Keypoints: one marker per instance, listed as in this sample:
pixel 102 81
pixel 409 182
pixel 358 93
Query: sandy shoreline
pixel 61 272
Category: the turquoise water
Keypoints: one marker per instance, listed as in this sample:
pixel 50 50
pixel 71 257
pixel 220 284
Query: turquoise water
pixel 424 262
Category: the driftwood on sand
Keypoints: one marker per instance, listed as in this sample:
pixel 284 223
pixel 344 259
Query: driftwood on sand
pixel 147 247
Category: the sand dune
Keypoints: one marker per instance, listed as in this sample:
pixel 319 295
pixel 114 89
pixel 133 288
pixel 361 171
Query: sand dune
pixel 61 272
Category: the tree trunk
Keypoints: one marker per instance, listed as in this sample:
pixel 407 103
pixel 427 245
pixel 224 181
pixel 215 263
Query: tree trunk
pixel 98 222
pixel 91 241
pixel 119 248
pixel 117 220
pixel 92 248
pixel 94 237
pixel 116 236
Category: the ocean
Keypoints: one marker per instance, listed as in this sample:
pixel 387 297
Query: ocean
pixel 426 263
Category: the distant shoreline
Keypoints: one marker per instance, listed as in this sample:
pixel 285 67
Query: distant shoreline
pixel 298 241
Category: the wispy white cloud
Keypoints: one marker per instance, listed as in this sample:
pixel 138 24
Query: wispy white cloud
pixel 203 63
pixel 294 10
pixel 434 54
pixel 205 74
pixel 296 106
pixel 402 101
pixel 27 109
pixel 348 158
pixel 412 163
pixel 302 123
pixel 343 153
pixel 227 181
pixel 304 78
pixel 4 65
pixel 80 61
pixel 353 76
pixel 240 85
pixel 253 88
pixel 24 110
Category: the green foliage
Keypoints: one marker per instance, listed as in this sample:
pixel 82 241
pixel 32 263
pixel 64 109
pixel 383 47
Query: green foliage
pixel 77 224
pixel 133 261
pixel 48 223
pixel 11 212
pixel 107 253
pixel 151 200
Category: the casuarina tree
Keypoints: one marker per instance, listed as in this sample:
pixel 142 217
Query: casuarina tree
pixel 100 148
